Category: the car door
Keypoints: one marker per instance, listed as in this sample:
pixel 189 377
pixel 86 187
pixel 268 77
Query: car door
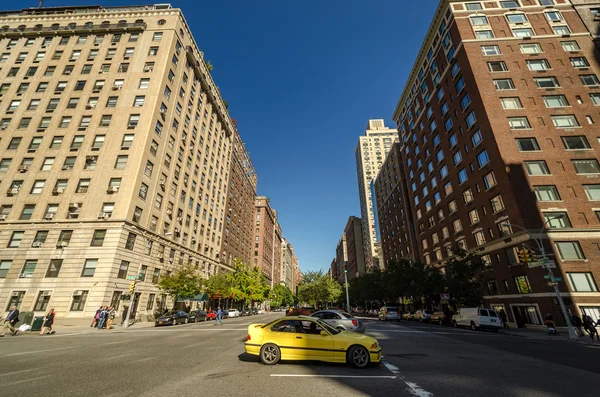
pixel 484 318
pixel 311 344
pixel 331 318
pixel 283 334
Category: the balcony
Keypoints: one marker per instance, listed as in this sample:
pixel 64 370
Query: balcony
pixel 71 29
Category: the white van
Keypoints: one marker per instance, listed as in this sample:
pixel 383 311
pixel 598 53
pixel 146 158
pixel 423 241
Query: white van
pixel 234 313
pixel 477 318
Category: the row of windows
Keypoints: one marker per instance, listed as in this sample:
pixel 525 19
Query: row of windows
pixel 550 101
pixel 477 5
pixel 79 40
pixel 532 48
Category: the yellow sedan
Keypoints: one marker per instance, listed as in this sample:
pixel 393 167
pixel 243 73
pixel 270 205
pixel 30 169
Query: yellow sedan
pixel 309 338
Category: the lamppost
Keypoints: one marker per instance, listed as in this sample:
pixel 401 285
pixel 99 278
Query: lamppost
pixel 540 245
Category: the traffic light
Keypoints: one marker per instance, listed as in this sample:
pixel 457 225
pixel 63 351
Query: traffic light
pixel 524 255
pixel 533 257
pixel 131 288
pixel 345 268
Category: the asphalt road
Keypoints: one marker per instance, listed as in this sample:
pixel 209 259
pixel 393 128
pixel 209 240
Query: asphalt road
pixel 202 359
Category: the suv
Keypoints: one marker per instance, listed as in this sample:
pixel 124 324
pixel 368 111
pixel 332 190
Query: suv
pixel 423 315
pixel 389 313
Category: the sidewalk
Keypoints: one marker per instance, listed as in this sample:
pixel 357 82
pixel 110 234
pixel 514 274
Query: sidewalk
pixel 75 329
pixel 541 333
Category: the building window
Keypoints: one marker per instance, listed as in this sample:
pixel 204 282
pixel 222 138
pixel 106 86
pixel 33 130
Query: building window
pixel 570 46
pixel 569 250
pixel 523 32
pixel 557 220
pixel 5 267
pixel 474 6
pixel 27 211
pixel 579 62
pixel 121 162
pixel 519 123
pixel 130 243
pixel 582 282
pixel 489 180
pixel 54 268
pixel 143 192
pixel 523 285
pixel 497 66
pixel 479 20
pixel 15 299
pixel 484 34
pixel 527 144
pixel 98 238
pixel 511 103
pixel 589 80
pixel 123 270
pixel 83 186
pixel 555 101
pixel 537 167
pixel 586 166
pixel 565 121
pixel 28 268
pixel 497 203
pixel 490 50
pixel 79 299
pixel 546 193
pixel 546 82
pixel 137 214
pixel 504 84
pixel 89 268
pixel 592 192
pixel 538 64
pixel 561 30
pixel 530 48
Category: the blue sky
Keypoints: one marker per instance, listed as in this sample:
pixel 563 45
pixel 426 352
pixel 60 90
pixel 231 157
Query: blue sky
pixel 302 78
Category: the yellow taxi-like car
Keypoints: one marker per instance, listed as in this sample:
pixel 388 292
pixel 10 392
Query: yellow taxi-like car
pixel 309 338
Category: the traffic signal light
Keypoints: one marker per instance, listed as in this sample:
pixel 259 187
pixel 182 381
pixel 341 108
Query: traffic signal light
pixel 524 255
pixel 345 268
pixel 131 288
pixel 533 257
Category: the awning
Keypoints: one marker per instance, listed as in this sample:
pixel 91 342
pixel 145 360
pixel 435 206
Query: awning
pixel 197 298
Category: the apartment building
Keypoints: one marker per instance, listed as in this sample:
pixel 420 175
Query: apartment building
pixel 355 254
pixel 396 226
pixel 370 153
pixel 287 263
pixel 500 146
pixel 239 209
pixel 264 236
pixel 115 155
pixel 277 275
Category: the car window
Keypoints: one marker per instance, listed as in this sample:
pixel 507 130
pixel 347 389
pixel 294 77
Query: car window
pixel 483 312
pixel 492 313
pixel 311 327
pixel 287 326
pixel 346 315
pixel 317 314
pixel 328 327
pixel 392 309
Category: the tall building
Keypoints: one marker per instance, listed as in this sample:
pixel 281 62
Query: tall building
pixel 287 263
pixel 264 236
pixel 277 275
pixel 499 144
pixel 355 253
pixel 94 193
pixel 239 208
pixel 393 210
pixel 370 153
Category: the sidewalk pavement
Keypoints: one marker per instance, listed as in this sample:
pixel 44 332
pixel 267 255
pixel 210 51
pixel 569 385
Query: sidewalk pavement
pixel 85 329
pixel 541 333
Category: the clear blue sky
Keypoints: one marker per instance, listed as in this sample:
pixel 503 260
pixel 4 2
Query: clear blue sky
pixel 302 78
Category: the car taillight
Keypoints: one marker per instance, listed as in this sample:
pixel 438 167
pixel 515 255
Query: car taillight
pixel 354 322
pixel 249 337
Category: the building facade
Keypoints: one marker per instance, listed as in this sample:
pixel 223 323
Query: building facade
pixel 394 213
pixel 370 153
pixel 239 208
pixel 354 247
pixel 93 192
pixel 499 145
pixel 287 264
pixel 278 275
pixel 264 235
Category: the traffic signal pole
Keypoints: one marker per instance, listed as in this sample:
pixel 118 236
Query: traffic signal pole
pixel 132 294
pixel 346 280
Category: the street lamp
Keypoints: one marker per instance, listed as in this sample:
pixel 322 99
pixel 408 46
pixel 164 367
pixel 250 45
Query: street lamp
pixel 539 243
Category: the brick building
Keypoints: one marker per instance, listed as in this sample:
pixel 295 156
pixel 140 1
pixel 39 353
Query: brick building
pixel 264 237
pixel 497 124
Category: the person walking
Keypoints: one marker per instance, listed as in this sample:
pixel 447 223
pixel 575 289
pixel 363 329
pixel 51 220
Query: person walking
pixel 48 321
pixel 102 319
pixel 577 323
pixel 11 320
pixel 503 318
pixel 96 317
pixel 590 326
pixel 219 316
pixel 110 316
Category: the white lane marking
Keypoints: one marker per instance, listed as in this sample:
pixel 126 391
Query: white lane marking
pixel 37 351
pixel 416 390
pixel 71 334
pixel 113 343
pixel 142 359
pixel 111 358
pixel 19 372
pixel 392 368
pixel 331 376
pixel 25 380
pixel 192 330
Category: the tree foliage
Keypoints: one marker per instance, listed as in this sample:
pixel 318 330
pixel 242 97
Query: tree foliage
pixel 244 284
pixel 317 288
pixel 184 283
pixel 281 296
pixel 464 279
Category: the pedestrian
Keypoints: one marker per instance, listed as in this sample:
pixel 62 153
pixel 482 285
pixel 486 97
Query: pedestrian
pixel 503 318
pixel 577 323
pixel 11 320
pixel 102 318
pixel 96 317
pixel 188 309
pixel 110 317
pixel 48 321
pixel 590 326
pixel 219 316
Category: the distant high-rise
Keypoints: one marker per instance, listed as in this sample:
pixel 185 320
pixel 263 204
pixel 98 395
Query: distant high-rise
pixel 370 154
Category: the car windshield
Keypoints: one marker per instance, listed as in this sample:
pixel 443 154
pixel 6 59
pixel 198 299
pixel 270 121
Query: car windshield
pixel 327 327
pixel 392 309
pixel 170 314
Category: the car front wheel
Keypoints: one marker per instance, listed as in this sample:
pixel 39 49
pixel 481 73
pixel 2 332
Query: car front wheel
pixel 185 321
pixel 473 326
pixel 358 357
pixel 270 354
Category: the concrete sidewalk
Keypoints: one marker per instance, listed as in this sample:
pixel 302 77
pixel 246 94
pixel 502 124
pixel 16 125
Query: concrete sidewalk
pixel 85 329
pixel 541 333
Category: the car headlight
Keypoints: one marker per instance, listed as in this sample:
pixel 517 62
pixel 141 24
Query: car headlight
pixel 375 346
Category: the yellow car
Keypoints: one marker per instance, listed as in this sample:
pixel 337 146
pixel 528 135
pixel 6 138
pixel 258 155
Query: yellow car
pixel 309 338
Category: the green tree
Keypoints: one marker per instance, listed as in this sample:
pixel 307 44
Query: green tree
pixel 184 283
pixel 464 274
pixel 219 285
pixel 280 295
pixel 317 288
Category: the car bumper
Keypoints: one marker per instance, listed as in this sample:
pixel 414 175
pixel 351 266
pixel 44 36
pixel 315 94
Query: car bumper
pixel 375 355
pixel 393 318
pixel 253 349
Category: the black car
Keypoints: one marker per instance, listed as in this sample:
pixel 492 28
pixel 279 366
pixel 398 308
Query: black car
pixel 197 315
pixel 224 314
pixel 172 318
pixel 254 311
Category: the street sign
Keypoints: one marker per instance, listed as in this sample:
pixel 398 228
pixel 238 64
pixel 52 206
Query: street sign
pixel 556 279
pixel 445 296
pixel 547 276
pixel 550 265
pixel 131 277
pixel 535 264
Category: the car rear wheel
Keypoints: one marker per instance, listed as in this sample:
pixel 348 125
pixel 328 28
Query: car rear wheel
pixel 473 326
pixel 270 354
pixel 454 324
pixel 358 356
pixel 185 320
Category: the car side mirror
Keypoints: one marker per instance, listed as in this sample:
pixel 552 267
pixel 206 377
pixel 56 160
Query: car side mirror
pixel 324 333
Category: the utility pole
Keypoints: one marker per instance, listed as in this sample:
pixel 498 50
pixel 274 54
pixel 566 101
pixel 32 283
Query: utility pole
pixel 132 294
pixel 346 279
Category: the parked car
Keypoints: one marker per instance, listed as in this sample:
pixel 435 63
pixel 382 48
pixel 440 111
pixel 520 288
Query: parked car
pixel 225 314
pixel 477 318
pixel 407 316
pixel 261 311
pixel 197 315
pixel 244 313
pixel 211 315
pixel 172 318
pixel 234 313
pixel 254 311
pixel 389 313
pixel 340 320
pixel 439 318
pixel 423 315
pixel 310 338
pixel 300 311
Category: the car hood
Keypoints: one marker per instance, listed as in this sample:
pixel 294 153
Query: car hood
pixel 360 338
